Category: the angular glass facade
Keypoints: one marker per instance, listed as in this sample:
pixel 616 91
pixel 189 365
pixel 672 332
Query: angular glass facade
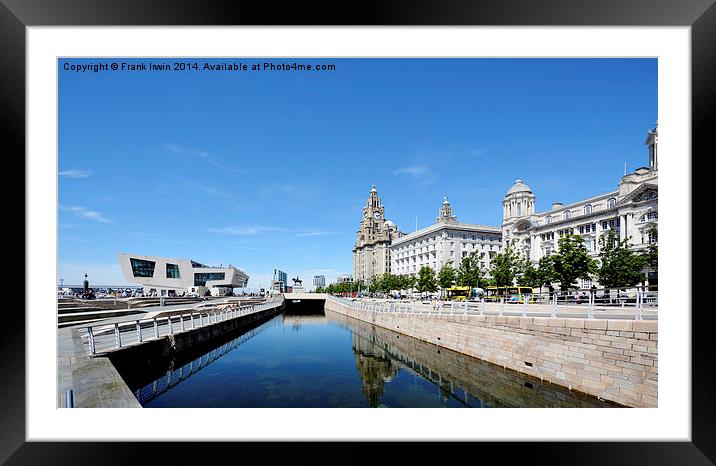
pixel 173 271
pixel 142 268
pixel 200 279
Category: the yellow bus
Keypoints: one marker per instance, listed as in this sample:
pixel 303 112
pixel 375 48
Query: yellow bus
pixel 511 294
pixel 458 293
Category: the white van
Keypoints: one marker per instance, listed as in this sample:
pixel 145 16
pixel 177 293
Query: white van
pixel 221 291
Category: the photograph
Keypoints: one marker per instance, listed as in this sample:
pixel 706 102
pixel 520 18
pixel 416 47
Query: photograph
pixel 274 216
pixel 386 232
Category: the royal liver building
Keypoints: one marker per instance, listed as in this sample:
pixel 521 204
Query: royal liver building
pixel 630 210
pixel 371 255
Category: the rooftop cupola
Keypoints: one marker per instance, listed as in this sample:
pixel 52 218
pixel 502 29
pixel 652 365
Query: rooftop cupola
pixel 446 212
pixel 518 202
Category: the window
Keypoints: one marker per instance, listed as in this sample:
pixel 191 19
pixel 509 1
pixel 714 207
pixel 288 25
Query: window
pixel 586 283
pixel 650 216
pixel 173 271
pixel 567 214
pixel 200 279
pixel 549 219
pixel 587 209
pixel 611 203
pixel 142 268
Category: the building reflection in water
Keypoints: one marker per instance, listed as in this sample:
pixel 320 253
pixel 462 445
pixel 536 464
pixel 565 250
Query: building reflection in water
pixel 375 367
pixel 381 354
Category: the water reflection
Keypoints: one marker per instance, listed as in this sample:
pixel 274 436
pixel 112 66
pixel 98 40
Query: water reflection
pixel 329 360
pixel 174 376
pixel 382 354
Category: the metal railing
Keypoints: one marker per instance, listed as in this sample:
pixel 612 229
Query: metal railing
pixel 105 337
pixel 175 376
pixel 634 304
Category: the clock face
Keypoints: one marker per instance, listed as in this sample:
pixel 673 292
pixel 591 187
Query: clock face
pixel 376 215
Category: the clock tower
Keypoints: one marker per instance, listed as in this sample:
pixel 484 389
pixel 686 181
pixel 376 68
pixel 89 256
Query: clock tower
pixel 371 256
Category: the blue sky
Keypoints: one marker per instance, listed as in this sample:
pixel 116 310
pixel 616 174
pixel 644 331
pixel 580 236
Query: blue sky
pixel 269 170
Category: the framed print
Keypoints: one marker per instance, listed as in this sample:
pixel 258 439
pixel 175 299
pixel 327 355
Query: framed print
pixel 276 217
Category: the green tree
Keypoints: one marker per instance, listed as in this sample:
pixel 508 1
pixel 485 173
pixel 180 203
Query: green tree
pixel 651 253
pixel 619 265
pixel 388 282
pixel 426 282
pixel 505 266
pixel 408 282
pixel 470 273
pixel 571 262
pixel 529 275
pixel 545 268
pixel 446 276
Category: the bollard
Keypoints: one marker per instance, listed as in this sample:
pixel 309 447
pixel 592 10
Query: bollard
pixel 502 306
pixel 482 307
pixel 554 306
pixel 117 336
pixel 524 306
pixel 139 332
pixel 638 311
pixel 90 340
pixel 465 307
pixel 590 313
pixel 69 399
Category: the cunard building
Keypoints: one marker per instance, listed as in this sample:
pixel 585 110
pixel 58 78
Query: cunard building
pixel 630 210
pixel 371 253
pixel 447 241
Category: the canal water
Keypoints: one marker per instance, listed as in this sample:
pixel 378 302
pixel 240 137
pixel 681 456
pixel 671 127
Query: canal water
pixel 309 358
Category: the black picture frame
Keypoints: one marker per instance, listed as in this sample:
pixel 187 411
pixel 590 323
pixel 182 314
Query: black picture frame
pixel 16 15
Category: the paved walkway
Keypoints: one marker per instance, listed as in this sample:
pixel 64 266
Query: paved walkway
pixel 490 308
pixel 94 380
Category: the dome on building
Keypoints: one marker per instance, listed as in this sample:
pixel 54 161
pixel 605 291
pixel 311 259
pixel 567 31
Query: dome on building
pixel 519 187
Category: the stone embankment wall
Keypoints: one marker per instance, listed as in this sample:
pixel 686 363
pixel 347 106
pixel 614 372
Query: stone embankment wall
pixel 614 359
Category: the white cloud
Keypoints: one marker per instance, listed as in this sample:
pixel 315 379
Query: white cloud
pixel 248 231
pixel 86 213
pixel 75 173
pixel 259 229
pixel 420 173
pixel 211 160
pixel 316 233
